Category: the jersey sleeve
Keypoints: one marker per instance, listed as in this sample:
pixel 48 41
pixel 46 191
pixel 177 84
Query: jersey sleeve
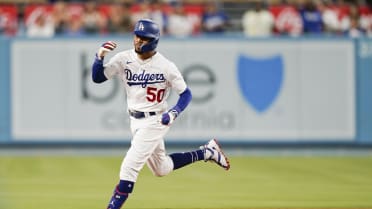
pixel 112 67
pixel 176 79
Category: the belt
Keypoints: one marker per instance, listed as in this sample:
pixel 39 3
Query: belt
pixel 139 115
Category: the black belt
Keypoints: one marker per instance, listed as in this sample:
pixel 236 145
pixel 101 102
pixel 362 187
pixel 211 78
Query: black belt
pixel 139 115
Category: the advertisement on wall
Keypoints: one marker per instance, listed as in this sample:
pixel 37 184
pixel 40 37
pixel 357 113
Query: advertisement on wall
pixel 242 91
pixel 364 75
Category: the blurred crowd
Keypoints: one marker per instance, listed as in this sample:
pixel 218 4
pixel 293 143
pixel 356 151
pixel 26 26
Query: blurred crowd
pixel 260 19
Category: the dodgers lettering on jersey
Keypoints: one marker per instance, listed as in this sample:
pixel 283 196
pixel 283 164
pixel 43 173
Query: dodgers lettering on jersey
pixel 143 78
pixel 147 82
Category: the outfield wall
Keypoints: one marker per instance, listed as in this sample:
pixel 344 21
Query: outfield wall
pixel 269 90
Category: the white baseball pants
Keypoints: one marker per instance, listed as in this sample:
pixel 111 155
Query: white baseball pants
pixel 147 146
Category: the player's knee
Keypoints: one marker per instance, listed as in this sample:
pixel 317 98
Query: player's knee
pixel 162 170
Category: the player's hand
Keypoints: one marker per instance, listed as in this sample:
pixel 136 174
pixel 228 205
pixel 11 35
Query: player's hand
pixel 169 117
pixel 105 48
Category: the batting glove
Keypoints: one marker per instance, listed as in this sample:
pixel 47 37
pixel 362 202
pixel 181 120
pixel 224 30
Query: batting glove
pixel 105 48
pixel 169 117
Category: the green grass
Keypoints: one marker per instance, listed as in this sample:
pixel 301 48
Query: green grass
pixel 52 182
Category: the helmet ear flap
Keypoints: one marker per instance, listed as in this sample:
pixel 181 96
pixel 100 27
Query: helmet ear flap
pixel 150 46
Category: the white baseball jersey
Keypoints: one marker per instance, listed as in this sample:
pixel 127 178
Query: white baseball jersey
pixel 147 82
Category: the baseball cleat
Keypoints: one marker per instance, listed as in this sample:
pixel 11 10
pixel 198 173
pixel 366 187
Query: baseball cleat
pixel 214 153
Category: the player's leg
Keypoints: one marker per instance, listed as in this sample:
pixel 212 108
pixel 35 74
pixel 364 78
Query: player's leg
pixel 182 159
pixel 211 151
pixel 120 194
pixel 161 164
pixel 143 144
pixel 127 179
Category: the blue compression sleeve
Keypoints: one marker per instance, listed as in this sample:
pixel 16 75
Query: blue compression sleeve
pixel 183 101
pixel 97 71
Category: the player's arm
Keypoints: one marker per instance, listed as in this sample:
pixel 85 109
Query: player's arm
pixel 183 101
pixel 98 75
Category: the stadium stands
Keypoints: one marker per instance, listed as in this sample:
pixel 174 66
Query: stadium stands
pixel 14 15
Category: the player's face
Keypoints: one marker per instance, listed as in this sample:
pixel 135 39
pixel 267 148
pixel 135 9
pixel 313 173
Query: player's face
pixel 139 41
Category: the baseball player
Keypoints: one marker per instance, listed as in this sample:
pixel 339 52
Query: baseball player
pixel 148 78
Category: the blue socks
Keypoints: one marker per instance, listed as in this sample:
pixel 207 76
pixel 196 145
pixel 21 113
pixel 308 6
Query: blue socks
pixel 120 194
pixel 185 158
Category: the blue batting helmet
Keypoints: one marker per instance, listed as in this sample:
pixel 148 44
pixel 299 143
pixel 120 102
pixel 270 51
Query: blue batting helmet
pixel 149 29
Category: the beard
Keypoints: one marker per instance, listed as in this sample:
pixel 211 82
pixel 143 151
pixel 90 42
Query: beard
pixel 138 51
